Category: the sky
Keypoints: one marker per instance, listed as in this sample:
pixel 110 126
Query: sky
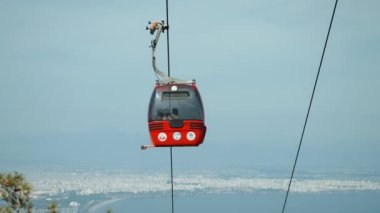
pixel 76 78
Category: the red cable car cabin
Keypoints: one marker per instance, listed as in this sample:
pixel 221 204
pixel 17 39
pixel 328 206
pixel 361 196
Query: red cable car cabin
pixel 176 116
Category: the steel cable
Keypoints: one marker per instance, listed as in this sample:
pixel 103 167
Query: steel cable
pixel 308 111
pixel 171 148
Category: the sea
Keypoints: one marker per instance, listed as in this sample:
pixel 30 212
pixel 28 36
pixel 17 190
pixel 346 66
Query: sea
pixel 234 190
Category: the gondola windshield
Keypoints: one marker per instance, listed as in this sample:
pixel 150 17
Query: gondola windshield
pixel 173 105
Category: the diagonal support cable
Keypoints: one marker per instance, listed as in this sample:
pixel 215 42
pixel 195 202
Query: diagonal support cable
pixel 308 111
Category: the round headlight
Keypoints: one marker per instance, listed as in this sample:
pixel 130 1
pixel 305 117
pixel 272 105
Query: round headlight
pixel 162 137
pixel 190 136
pixel 177 136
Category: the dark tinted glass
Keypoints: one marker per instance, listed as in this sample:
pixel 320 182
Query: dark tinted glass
pixel 175 95
pixel 183 104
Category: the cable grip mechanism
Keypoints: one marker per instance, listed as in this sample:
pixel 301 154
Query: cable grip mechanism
pixel 155 29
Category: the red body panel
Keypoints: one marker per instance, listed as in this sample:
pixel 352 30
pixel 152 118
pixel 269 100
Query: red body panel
pixel 192 133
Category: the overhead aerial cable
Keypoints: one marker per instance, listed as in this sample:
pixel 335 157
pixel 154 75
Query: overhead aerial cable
pixel 176 115
pixel 308 111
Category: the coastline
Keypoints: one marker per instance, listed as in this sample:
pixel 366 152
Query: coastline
pixel 97 206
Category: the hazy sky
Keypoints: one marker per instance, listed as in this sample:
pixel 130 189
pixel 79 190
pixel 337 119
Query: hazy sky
pixel 76 77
